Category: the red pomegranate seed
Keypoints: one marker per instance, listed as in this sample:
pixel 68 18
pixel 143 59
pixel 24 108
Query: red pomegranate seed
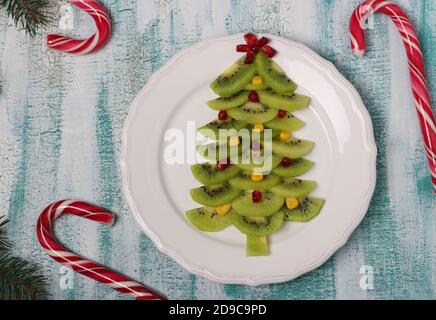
pixel 256 196
pixel 222 165
pixel 282 113
pixel 253 97
pixel 286 162
pixel 222 115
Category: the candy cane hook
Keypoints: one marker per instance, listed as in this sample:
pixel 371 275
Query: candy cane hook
pixel 416 66
pixel 93 43
pixel 83 266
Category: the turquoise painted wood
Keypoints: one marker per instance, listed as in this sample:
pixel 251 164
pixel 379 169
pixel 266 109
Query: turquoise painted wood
pixel 61 118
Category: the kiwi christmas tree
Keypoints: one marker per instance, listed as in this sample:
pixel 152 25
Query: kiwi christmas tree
pixel 255 94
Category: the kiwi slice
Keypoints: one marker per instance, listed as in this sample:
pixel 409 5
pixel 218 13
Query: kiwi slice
pixel 206 219
pixel 224 103
pixel 293 188
pixel 253 87
pixel 215 195
pixel 270 204
pixel 243 181
pixel 257 165
pixel 288 123
pixel 297 168
pixel 257 246
pixel 294 148
pixel 288 102
pixel 308 209
pixel 212 129
pixel 221 150
pixel 234 79
pixel 273 75
pixel 253 113
pixel 208 174
pixel 258 226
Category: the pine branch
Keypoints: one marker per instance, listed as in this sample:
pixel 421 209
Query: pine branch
pixel 19 279
pixel 28 14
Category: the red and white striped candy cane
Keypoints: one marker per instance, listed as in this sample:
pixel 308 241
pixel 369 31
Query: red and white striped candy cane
pixel 416 65
pixel 83 266
pixel 93 43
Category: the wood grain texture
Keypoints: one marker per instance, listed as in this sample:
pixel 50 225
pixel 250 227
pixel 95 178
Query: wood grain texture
pixel 61 118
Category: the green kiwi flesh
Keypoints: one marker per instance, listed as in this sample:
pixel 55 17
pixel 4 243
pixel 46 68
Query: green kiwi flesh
pixel 288 102
pixel 206 219
pixel 221 150
pixel 293 149
pixel 234 79
pixel 308 209
pixel 288 123
pixel 293 188
pixel 270 204
pixel 297 168
pixel 257 165
pixel 243 181
pixel 253 113
pixel 257 246
pixel 224 103
pixel 215 195
pixel 258 226
pixel 208 174
pixel 273 75
pixel 212 129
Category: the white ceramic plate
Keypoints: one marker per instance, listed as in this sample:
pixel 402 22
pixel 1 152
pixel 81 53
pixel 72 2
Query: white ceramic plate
pixel 158 193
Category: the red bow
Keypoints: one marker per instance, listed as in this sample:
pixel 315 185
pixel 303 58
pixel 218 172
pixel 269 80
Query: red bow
pixel 253 46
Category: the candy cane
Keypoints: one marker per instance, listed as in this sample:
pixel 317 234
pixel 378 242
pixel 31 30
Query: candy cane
pixel 416 65
pixel 93 43
pixel 86 267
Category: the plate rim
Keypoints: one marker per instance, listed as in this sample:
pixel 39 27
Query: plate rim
pixel 334 73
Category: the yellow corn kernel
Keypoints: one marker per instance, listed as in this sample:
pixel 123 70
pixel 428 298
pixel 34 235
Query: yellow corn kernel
pixel 292 203
pixel 223 210
pixel 234 141
pixel 256 177
pixel 257 81
pixel 284 136
pixel 259 127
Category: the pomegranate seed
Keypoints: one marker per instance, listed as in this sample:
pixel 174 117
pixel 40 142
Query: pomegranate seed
pixel 282 113
pixel 256 146
pixel 286 162
pixel 253 97
pixel 256 196
pixel 222 115
pixel 223 164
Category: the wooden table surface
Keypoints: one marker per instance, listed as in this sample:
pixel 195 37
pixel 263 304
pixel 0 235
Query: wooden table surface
pixel 61 117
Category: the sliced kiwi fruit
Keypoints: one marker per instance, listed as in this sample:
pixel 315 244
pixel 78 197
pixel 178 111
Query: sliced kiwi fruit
pixel 270 204
pixel 294 188
pixel 253 113
pixel 308 209
pixel 212 129
pixel 273 75
pixel 234 79
pixel 258 226
pixel 257 162
pixel 288 102
pixel 243 181
pixel 224 103
pixel 288 123
pixel 208 174
pixel 293 148
pixel 215 195
pixel 253 87
pixel 257 246
pixel 206 219
pixel 221 150
pixel 297 168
